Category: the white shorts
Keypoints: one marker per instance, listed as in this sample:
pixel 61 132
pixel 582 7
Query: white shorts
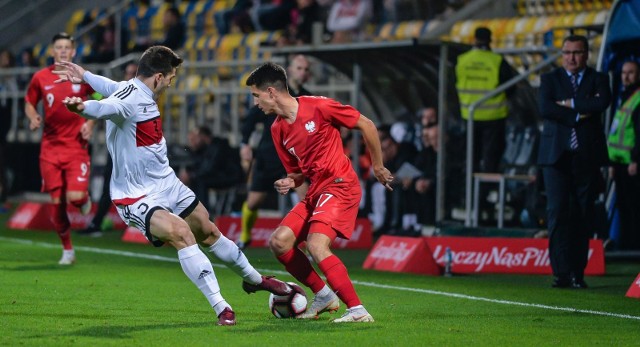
pixel 174 197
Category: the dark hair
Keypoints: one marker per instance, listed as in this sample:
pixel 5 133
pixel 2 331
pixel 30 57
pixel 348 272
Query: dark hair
pixel 174 12
pixel 158 59
pixel 268 75
pixel 62 36
pixel 205 131
pixel 577 38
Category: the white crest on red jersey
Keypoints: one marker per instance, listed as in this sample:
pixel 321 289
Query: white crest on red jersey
pixel 76 88
pixel 310 126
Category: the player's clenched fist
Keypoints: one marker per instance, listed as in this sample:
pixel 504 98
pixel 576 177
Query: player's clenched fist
pixel 284 185
pixel 74 104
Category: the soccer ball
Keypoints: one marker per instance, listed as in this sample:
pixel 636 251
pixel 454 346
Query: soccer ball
pixel 289 306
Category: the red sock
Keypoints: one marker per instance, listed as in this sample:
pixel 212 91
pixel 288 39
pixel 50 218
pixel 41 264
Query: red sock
pixel 338 278
pixel 61 224
pixel 298 265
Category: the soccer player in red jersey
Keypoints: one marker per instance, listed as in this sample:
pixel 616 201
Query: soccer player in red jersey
pixel 64 155
pixel 306 134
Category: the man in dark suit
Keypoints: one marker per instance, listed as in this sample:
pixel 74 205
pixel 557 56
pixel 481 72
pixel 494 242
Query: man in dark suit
pixel 572 149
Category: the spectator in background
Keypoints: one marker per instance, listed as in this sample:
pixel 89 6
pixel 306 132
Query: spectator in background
pixel 64 155
pixel 8 86
pixel 104 41
pixel 478 72
pixel 174 30
pixel 27 59
pixel 272 15
pixel 389 206
pixel 300 31
pixel 266 167
pixel 347 20
pixel 214 165
pixel 98 224
pixel 139 25
pixel 624 154
pixel 238 14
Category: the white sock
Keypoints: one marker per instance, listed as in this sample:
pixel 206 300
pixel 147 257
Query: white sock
pixel 198 268
pixel 324 291
pixel 227 251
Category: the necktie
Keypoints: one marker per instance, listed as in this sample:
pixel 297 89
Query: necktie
pixel 574 137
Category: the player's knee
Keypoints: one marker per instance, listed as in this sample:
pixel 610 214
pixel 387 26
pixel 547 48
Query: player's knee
pixel 209 234
pixel 281 240
pixel 77 199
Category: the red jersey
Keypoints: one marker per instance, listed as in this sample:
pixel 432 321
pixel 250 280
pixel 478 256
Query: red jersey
pixel 312 144
pixel 61 126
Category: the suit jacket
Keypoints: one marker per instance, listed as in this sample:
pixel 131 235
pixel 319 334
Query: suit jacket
pixel 592 98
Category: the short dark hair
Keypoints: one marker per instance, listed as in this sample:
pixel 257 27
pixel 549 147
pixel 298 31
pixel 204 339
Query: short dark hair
pixel 205 131
pixel 577 38
pixel 268 75
pixel 158 59
pixel 62 36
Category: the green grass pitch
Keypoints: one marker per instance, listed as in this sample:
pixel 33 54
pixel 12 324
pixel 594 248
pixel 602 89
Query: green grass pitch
pixel 135 295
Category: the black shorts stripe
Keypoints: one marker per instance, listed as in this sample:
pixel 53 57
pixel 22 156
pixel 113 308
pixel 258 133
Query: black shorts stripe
pixel 187 211
pixel 147 227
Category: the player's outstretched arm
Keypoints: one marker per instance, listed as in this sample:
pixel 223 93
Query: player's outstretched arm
pixel 371 139
pixel 92 109
pixel 75 73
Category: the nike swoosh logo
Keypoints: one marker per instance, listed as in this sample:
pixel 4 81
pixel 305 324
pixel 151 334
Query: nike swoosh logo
pixel 81 179
pixel 316 212
pixel 284 143
pixel 48 87
pixel 355 319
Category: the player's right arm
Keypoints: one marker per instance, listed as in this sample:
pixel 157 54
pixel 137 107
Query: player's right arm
pixel 112 108
pixel 35 120
pixel 34 94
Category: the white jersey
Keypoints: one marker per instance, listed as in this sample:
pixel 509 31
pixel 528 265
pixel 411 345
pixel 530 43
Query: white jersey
pixel 134 137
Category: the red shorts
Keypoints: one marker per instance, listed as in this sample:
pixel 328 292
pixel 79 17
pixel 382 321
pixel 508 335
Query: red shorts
pixel 65 172
pixel 336 207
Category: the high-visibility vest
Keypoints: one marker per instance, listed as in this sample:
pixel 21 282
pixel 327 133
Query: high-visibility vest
pixel 478 73
pixel 622 135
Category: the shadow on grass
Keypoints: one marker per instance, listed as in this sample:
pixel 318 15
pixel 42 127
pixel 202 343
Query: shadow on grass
pixel 122 331
pixel 38 267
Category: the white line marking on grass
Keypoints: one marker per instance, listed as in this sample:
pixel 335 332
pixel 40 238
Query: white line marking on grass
pixel 366 284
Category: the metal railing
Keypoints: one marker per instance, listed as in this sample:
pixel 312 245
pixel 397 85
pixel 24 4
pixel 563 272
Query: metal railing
pixel 500 89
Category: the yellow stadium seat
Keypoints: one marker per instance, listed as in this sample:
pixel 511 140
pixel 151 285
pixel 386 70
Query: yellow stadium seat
pixel 76 18
pixel 157 23
pixel 601 16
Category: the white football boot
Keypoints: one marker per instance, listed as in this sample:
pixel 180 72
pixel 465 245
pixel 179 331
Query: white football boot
pixel 357 314
pixel 68 257
pixel 328 303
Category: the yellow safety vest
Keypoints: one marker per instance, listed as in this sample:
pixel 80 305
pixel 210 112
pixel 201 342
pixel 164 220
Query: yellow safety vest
pixel 622 135
pixel 478 73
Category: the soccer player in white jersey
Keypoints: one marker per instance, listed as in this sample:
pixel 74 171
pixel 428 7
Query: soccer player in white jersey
pixel 145 189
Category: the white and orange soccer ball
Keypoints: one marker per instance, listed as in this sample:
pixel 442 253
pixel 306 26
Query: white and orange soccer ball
pixel 289 306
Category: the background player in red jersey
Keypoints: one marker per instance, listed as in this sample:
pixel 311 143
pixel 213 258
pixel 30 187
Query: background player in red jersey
pixel 306 134
pixel 64 155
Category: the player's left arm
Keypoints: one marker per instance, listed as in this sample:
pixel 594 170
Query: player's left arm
pixel 371 139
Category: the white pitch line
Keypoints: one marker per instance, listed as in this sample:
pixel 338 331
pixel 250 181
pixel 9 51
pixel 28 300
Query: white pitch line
pixel 366 284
